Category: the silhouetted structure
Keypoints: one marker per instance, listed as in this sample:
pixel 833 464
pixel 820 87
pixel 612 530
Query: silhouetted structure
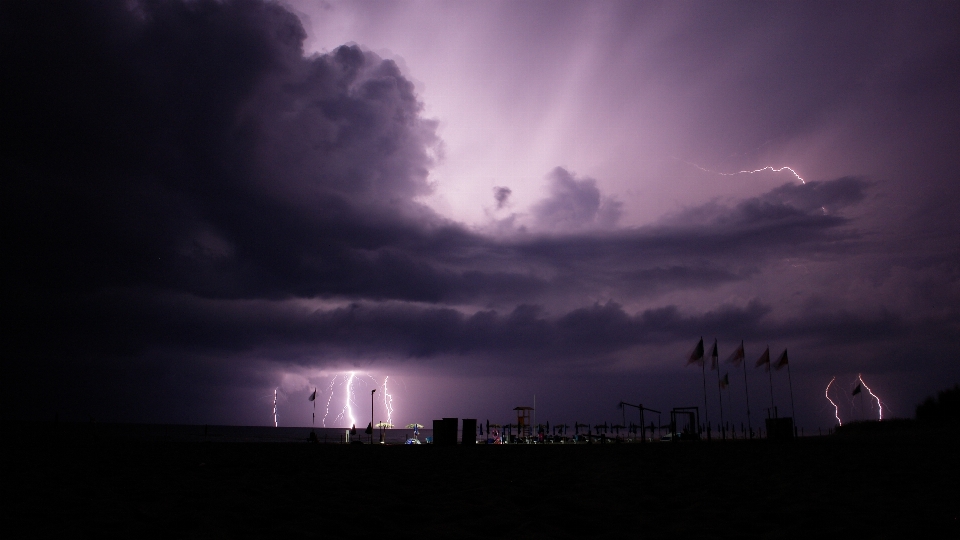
pixel 780 429
pixel 445 432
pixel 469 436
pixel 692 431
pixel 524 427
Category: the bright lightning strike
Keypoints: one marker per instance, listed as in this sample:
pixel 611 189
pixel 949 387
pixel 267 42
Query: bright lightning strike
pixel 768 168
pixel 349 399
pixel 275 407
pixel 329 398
pixel 879 405
pixel 836 410
pixel 387 400
pixel 348 381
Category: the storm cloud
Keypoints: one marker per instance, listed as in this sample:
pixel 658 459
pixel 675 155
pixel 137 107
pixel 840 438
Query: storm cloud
pixel 195 200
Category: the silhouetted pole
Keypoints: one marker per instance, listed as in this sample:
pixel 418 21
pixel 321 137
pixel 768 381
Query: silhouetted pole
pixel 706 410
pixel 738 357
pixel 372 392
pixel 765 362
pixel 715 364
pixel 793 411
pixel 862 409
pixel 770 376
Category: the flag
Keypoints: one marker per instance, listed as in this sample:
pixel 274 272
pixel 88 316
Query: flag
pixel 857 390
pixel 782 361
pixel 737 356
pixel 313 396
pixel 714 356
pixel 697 355
pixel 725 381
pixel 764 359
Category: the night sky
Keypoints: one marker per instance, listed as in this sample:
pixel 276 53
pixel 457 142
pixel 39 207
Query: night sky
pixel 476 202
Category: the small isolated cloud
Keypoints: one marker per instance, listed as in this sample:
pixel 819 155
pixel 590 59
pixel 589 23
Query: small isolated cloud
pixel 502 196
pixel 575 204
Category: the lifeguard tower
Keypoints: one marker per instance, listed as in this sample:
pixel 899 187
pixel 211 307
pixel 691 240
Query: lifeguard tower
pixel 524 426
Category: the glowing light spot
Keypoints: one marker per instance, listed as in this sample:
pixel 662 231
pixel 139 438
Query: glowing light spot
pixel 275 407
pixel 836 410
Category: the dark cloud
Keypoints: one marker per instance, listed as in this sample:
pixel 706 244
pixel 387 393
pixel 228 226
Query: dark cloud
pixel 192 146
pixel 833 195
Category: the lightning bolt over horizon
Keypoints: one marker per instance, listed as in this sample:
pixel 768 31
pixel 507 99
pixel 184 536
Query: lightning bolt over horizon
pixel 879 404
pixel 344 384
pixel 836 410
pixel 388 401
pixel 329 399
pixel 347 411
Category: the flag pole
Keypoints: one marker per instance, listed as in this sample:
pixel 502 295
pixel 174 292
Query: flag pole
pixel 793 411
pixel 706 410
pixel 746 392
pixel 723 431
pixel 773 408
pixel 715 360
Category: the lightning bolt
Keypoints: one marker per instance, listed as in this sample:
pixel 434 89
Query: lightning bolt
pixel 879 405
pixel 768 168
pixel 826 394
pixel 347 411
pixel 329 398
pixel 348 381
pixel 274 407
pixel 387 400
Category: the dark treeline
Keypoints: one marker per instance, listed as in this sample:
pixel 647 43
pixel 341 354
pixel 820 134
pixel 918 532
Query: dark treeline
pixel 942 409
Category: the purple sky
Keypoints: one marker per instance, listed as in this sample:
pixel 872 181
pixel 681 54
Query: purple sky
pixel 482 201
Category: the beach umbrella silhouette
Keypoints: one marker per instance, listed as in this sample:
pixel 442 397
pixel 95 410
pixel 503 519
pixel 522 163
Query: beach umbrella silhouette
pixel 384 425
pixel 616 428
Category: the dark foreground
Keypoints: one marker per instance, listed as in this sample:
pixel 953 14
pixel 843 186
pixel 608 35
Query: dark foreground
pixel 865 486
